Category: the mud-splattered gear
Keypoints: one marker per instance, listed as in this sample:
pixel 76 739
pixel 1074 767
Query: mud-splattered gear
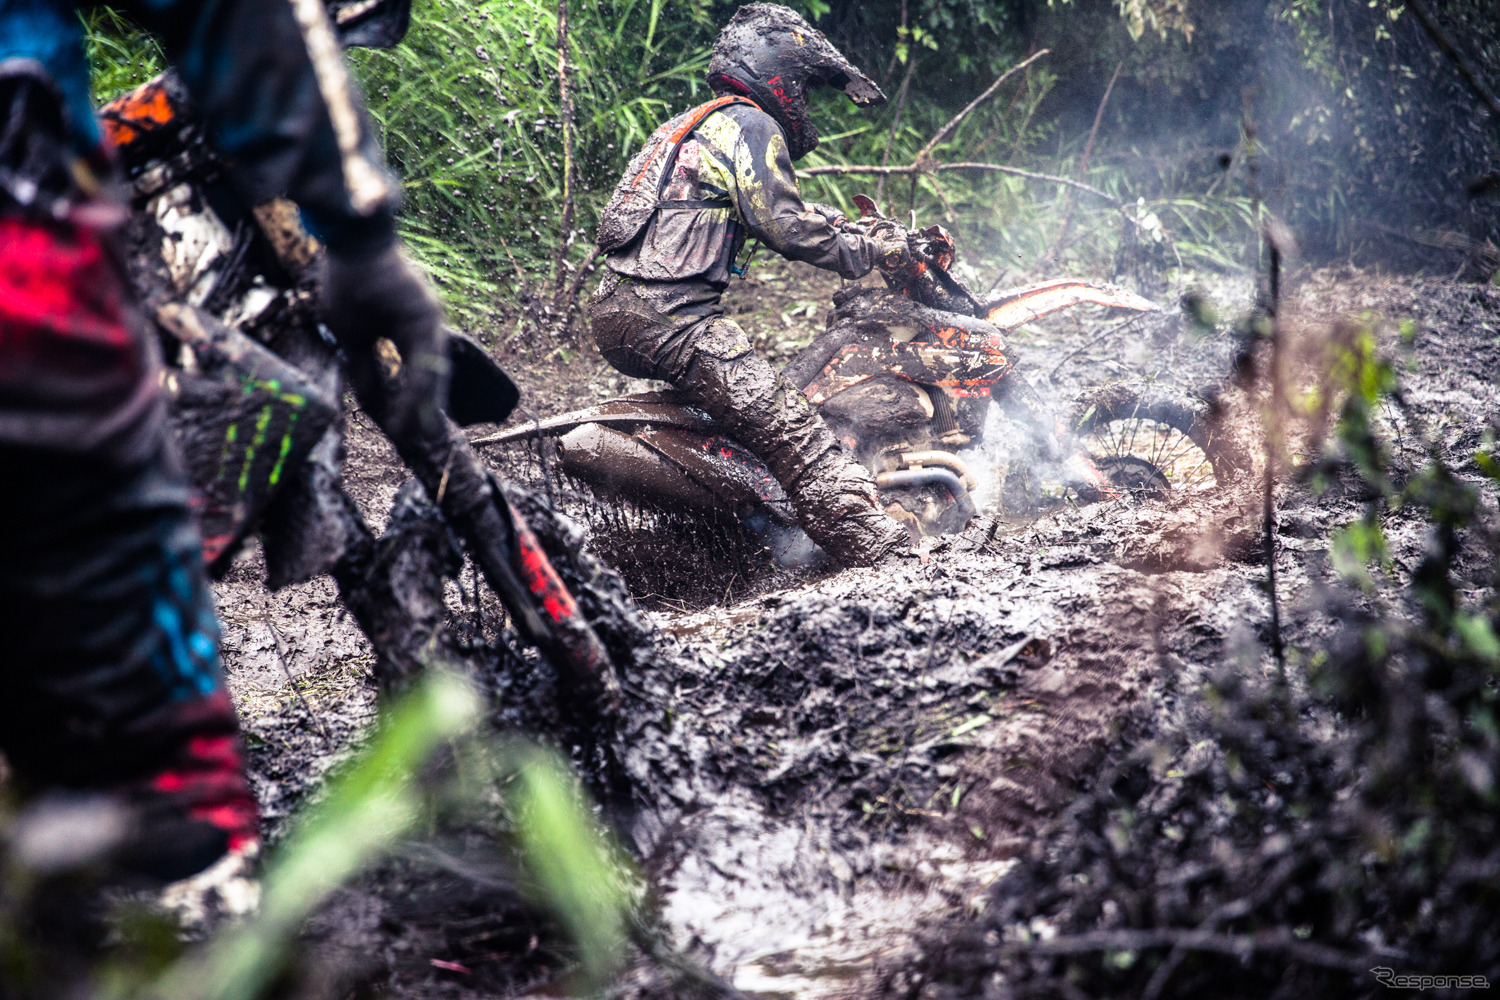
pixel 367 300
pixel 769 54
pixel 730 181
pixel 712 362
pixel 895 250
pixel 723 174
pixel 639 193
pixel 112 662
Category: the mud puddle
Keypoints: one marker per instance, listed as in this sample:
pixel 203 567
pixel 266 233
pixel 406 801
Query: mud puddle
pixel 836 765
pixel 844 762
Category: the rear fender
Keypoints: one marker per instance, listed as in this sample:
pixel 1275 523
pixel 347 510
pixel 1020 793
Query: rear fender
pixel 1018 306
pixel 660 408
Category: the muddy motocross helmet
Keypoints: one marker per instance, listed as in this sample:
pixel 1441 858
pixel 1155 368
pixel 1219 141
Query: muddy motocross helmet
pixel 772 56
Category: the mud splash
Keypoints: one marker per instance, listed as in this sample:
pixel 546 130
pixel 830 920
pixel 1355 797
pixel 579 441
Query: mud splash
pixel 828 768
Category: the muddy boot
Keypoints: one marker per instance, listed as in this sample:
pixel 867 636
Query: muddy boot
pixel 834 497
pixel 711 361
pixel 838 507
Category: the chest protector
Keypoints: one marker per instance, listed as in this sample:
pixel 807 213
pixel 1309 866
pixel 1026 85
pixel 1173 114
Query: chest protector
pixel 637 195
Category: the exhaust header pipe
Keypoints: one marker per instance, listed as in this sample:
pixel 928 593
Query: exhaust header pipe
pixel 941 459
pixel 923 477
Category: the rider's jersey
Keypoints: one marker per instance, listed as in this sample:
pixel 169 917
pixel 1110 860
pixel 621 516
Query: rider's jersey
pixel 733 180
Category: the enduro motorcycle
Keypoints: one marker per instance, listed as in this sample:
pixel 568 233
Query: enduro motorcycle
pixel 905 376
pixel 254 385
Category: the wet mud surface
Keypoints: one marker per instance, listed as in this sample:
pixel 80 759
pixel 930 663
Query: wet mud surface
pixel 829 767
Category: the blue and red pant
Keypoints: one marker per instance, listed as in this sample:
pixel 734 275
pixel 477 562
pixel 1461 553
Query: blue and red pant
pixel 109 645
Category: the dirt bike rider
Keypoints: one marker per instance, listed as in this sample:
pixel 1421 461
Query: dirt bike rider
pixel 671 235
pixel 113 682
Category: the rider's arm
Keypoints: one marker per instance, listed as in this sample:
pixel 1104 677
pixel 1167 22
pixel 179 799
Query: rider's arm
pixel 268 79
pixel 774 212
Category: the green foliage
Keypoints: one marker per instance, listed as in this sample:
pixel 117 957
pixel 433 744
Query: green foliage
pixel 470 110
pixel 384 796
pixel 1359 126
pixel 122 56
pixel 377 800
pixel 573 870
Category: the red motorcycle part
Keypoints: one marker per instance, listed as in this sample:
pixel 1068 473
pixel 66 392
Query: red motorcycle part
pixel 961 370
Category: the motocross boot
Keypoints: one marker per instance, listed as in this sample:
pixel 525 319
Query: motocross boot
pixel 710 360
pixel 835 498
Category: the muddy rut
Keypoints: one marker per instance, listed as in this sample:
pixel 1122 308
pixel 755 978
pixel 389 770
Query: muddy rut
pixel 828 768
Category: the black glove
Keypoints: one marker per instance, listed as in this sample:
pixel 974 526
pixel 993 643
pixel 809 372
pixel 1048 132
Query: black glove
pixel 367 300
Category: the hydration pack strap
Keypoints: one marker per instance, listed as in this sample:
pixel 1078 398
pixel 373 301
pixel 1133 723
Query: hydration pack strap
pixel 677 138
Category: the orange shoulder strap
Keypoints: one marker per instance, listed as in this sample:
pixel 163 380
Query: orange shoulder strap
pixel 674 139
pixel 702 111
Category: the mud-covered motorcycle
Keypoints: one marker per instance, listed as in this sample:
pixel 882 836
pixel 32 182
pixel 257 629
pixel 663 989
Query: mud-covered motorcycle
pixel 255 387
pixel 905 376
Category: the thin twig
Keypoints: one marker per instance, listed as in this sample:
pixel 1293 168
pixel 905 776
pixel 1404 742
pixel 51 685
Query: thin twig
pixel 570 294
pixel 292 681
pixel 478 606
pixel 896 51
pixel 1083 166
pixel 957 119
pixel 565 96
pixel 890 140
pixel 861 168
pixel 922 163
pixel 1106 334
pixel 520 274
pixel 1033 175
pixel 1273 451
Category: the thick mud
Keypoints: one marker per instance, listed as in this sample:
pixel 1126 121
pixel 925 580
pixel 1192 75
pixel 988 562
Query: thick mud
pixel 827 768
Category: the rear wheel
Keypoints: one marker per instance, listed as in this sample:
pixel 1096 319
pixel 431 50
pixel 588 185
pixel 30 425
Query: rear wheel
pixel 1148 439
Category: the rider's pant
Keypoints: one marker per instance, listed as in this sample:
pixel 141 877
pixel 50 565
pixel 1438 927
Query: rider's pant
pixel 710 359
pixel 110 671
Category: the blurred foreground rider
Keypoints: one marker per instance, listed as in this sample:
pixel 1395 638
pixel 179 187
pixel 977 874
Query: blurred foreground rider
pixel 705 182
pixel 113 688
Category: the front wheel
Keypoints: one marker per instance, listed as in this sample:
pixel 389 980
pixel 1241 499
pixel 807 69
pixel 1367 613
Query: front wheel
pixel 1148 439
pixel 600 591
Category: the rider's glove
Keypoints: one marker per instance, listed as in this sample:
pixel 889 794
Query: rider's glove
pixel 891 243
pixel 373 304
pixel 838 220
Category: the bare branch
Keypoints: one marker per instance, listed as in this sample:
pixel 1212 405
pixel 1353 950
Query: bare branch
pixel 565 100
pixel 1000 168
pixel 885 159
pixel 1083 167
pixel 957 120
pixel 1450 48
pixel 1033 175
pixel 584 270
pixel 855 168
